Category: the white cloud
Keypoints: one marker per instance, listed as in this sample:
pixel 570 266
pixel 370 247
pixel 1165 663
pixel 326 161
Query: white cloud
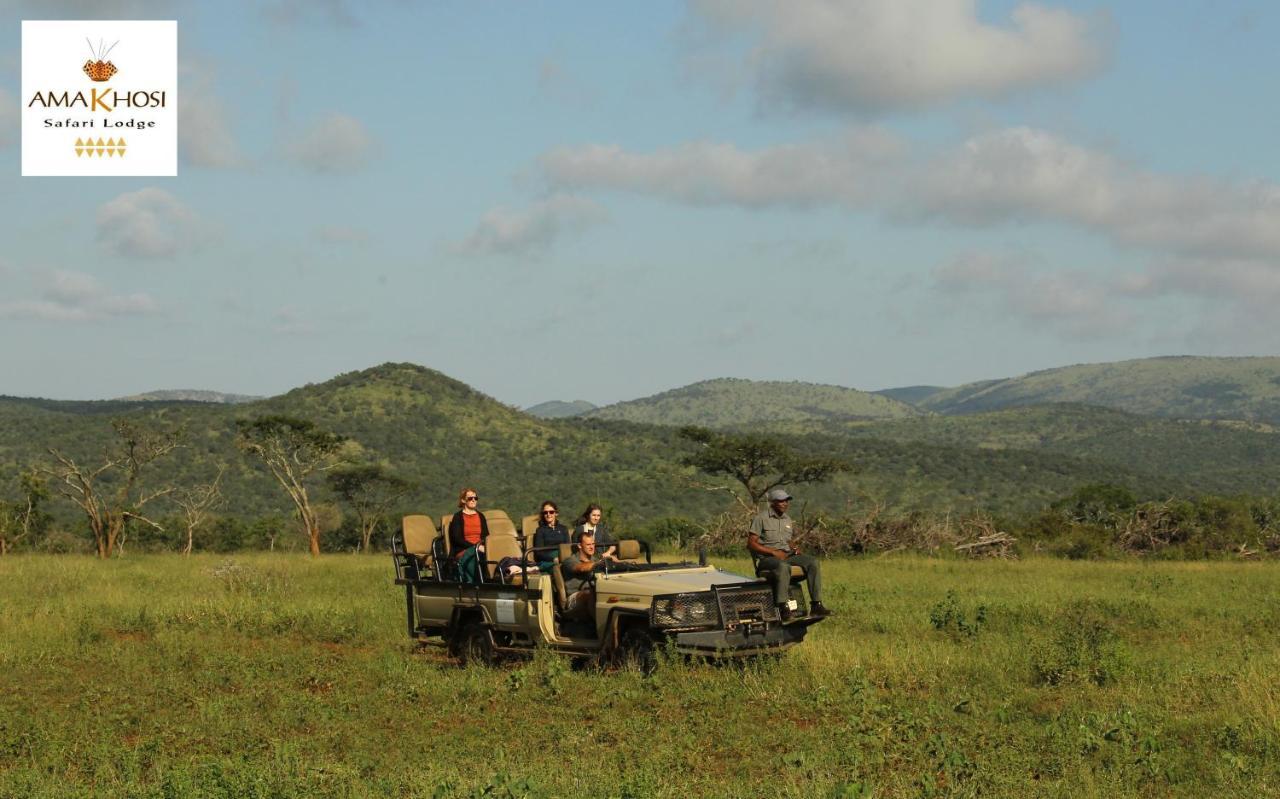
pixel 533 229
pixel 1072 301
pixel 205 138
pixel 147 223
pixel 872 56
pixel 1024 174
pixel 76 297
pixel 335 144
pixel 8 118
pixel 838 171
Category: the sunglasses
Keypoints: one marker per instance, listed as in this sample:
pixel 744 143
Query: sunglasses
pixel 470 499
pixel 549 513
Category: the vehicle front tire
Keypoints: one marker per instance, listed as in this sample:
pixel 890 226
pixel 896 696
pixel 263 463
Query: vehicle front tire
pixel 636 650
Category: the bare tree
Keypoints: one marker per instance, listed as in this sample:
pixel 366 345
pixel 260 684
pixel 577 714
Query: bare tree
pixel 370 490
pixel 293 450
pixel 20 517
pixel 113 494
pixel 197 504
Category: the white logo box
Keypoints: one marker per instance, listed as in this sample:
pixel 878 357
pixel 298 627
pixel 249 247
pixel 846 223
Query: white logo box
pixel 137 103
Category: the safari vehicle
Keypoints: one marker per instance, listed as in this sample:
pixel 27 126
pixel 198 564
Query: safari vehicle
pixel 694 609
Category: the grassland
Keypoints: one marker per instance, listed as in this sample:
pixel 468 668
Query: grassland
pixel 279 676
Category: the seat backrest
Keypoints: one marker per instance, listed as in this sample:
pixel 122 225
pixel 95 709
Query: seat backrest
pixel 500 524
pixel 566 550
pixel 497 548
pixel 529 526
pixel 444 531
pixel 419 534
pixel 628 549
pixel 557 581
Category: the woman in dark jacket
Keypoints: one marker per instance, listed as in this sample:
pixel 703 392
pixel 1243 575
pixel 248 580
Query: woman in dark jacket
pixel 590 520
pixel 549 536
pixel 468 530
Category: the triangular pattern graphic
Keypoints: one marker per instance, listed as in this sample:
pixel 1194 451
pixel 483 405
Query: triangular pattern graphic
pixel 78 142
pixel 120 143
pixel 111 142
pixel 79 150
pixel 111 151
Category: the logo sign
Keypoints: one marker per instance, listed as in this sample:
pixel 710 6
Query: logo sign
pixel 99 98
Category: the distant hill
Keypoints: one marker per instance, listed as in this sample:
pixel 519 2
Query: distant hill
pixel 441 434
pixel 559 409
pixel 731 403
pixel 1180 387
pixel 190 395
pixel 912 395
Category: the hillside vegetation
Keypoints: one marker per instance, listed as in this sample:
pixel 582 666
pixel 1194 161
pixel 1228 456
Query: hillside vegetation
pixel 559 409
pixel 732 403
pixel 1178 387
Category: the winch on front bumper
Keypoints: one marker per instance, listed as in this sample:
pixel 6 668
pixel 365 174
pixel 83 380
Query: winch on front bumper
pixel 737 619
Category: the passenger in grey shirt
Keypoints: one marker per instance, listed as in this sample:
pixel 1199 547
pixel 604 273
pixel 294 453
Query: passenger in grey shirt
pixel 579 590
pixel 769 541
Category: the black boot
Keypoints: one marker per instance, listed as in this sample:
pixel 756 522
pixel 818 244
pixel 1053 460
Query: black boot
pixel 819 610
pixel 784 612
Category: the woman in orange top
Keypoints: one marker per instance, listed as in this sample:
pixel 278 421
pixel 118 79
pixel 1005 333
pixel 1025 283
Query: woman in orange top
pixel 468 530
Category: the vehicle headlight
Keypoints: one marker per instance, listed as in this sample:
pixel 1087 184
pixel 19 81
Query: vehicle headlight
pixel 685 610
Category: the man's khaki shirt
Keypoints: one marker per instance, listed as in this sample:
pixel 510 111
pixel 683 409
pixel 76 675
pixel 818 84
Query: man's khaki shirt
pixel 773 530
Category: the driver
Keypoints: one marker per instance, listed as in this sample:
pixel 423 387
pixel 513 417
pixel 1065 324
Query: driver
pixel 578 586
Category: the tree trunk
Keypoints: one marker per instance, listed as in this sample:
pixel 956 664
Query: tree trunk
pixel 313 534
pixel 191 529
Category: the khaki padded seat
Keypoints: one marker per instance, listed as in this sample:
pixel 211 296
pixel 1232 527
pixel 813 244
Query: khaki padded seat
pixel 559 595
pixel 419 534
pixel 529 526
pixel 566 551
pixel 444 531
pixel 497 548
pixel 629 549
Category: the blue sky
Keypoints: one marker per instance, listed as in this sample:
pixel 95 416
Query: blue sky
pixel 601 200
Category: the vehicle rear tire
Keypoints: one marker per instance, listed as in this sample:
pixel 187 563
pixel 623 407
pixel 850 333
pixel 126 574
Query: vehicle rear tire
pixel 475 645
pixel 636 650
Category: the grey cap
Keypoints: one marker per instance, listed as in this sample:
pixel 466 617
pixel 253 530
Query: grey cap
pixel 778 494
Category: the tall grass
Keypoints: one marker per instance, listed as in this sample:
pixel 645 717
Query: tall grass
pixel 282 676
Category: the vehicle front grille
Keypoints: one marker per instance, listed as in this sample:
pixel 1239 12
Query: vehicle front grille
pixel 747 604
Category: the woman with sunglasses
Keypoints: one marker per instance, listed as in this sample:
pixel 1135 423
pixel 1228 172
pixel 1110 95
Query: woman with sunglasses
pixel 467 533
pixel 551 533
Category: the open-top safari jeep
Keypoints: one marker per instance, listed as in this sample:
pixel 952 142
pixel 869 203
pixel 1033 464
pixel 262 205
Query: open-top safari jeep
pixel 693 609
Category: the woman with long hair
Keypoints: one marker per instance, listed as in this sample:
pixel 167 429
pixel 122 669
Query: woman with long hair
pixel 591 521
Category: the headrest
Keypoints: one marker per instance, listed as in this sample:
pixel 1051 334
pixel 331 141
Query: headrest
pixel 628 549
pixel 419 532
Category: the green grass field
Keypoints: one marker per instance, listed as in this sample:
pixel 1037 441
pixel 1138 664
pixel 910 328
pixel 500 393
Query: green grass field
pixel 281 676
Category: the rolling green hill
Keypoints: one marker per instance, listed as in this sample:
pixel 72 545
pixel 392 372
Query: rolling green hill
pixel 732 403
pixel 1182 387
pixel 559 409
pixel 441 434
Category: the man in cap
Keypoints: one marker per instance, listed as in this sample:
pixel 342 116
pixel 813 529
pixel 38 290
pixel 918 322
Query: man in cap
pixel 769 541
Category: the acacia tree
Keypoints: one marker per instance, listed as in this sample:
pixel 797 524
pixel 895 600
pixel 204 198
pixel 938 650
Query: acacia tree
pixel 197 504
pixel 757 462
pixel 113 493
pixel 370 490
pixel 18 519
pixel 293 450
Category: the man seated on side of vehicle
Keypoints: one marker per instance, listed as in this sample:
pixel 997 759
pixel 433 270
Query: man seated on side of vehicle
pixel 580 593
pixel 769 541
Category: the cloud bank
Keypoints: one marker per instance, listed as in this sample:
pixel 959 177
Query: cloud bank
pixel 875 56
pixel 76 297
